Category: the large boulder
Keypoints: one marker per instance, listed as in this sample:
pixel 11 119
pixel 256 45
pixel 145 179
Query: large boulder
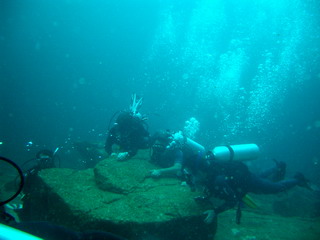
pixel 125 177
pixel 119 198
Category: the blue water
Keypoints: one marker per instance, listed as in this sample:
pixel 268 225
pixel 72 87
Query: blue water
pixel 248 71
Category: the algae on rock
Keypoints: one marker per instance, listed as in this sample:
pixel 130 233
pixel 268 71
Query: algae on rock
pixel 117 197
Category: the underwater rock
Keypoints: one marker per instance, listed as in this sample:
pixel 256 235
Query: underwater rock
pixel 140 208
pixel 121 177
pixel 299 202
pixel 132 206
pixel 261 226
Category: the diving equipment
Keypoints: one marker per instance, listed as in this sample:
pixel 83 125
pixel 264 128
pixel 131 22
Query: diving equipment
pixel 242 152
pixel 181 141
pixel 9 233
pixel 196 147
pixel 21 176
pixel 135 105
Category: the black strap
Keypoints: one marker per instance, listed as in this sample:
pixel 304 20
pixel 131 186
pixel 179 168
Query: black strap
pixel 21 179
pixel 239 214
pixel 231 152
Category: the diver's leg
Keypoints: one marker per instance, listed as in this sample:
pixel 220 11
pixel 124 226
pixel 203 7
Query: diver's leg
pixel 276 173
pixel 264 186
pixel 268 172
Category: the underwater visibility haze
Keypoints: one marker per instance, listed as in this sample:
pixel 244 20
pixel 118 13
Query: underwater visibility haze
pixel 247 70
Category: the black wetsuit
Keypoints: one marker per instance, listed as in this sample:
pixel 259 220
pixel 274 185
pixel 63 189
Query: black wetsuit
pixel 129 132
pixel 232 180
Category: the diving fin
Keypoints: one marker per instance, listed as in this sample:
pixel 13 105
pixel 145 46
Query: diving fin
pixel 249 202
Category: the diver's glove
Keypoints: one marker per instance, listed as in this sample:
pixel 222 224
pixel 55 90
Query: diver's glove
pixel 155 173
pixel 200 199
pixel 211 215
pixel 123 156
pixel 13 206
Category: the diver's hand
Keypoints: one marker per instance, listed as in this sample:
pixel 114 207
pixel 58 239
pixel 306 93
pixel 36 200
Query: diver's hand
pixel 13 206
pixel 155 173
pixel 122 156
pixel 200 199
pixel 210 216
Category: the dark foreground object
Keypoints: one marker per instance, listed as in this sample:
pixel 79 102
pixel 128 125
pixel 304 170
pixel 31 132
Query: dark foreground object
pixel 50 231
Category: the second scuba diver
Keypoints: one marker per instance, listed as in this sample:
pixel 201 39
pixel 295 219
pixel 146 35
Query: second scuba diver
pixel 129 132
pixel 232 180
pixel 174 152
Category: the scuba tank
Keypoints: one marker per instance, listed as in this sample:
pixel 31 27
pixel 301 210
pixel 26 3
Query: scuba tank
pixel 181 141
pixel 194 146
pixel 242 152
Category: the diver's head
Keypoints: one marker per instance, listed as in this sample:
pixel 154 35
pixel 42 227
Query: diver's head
pixel 123 118
pixel 45 159
pixel 162 138
pixel 158 148
pixel 160 141
pixel 44 154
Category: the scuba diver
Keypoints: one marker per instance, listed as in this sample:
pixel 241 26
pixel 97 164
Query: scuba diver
pixel 91 153
pixel 175 153
pixel 10 229
pixel 44 159
pixel 232 180
pixel 5 217
pixel 129 132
